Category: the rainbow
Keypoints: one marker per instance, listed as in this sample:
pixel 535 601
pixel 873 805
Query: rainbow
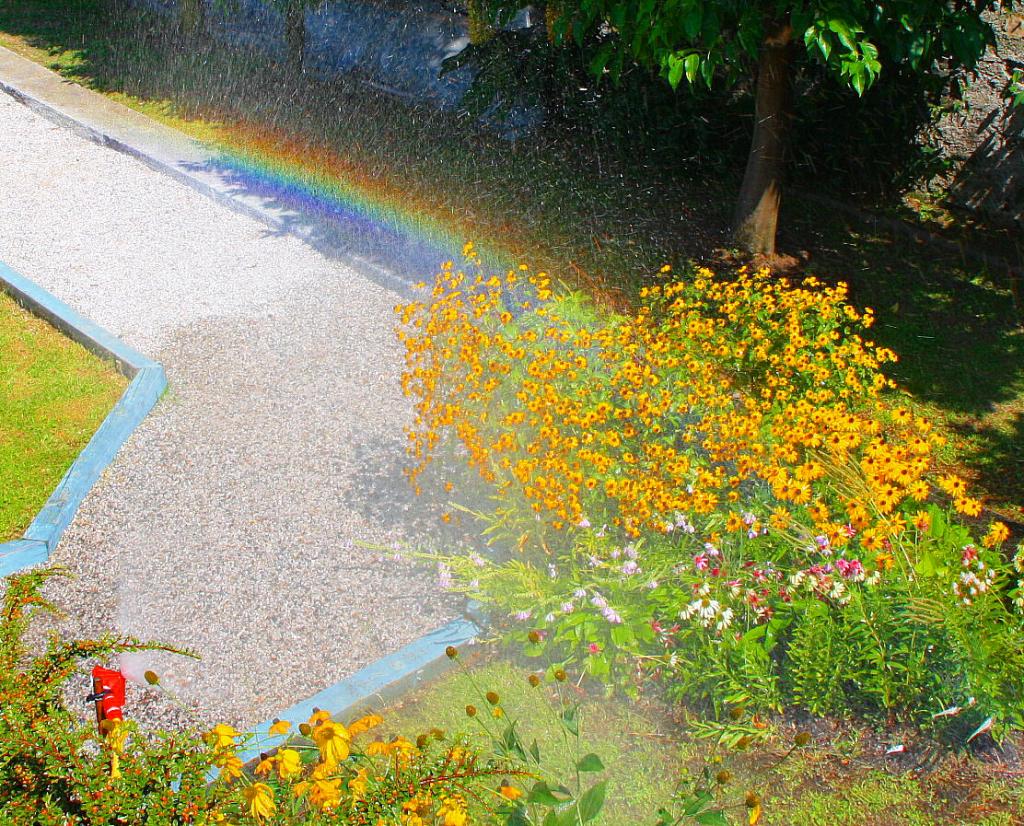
pixel 368 216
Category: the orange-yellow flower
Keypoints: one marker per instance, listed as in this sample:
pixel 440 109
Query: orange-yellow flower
pixel 280 727
pixel 259 798
pixel 289 764
pixel 997 534
pixel 364 724
pixel 332 738
pixel 222 736
pixel 325 794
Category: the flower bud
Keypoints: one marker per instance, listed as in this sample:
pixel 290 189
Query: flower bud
pixel 305 729
pixel 471 711
pixel 560 675
pixel 533 680
pixel 723 777
pixel 451 652
pixel 752 800
pixel 152 677
pixel 492 697
pixel 802 738
pixel 534 636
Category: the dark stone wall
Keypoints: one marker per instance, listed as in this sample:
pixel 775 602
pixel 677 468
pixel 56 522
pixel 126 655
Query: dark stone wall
pixel 984 139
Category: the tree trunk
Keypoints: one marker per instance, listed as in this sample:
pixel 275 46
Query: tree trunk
pixel 295 35
pixel 191 17
pixel 757 210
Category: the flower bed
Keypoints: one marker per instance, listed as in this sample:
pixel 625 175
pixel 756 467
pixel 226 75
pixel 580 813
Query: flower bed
pixel 708 490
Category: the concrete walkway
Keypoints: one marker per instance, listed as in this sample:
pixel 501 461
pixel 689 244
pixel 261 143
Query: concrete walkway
pixel 229 522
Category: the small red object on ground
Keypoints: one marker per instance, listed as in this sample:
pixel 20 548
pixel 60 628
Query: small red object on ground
pixel 108 692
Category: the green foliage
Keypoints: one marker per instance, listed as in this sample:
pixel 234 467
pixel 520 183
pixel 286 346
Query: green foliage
pixel 56 770
pixel 702 41
pixel 1015 89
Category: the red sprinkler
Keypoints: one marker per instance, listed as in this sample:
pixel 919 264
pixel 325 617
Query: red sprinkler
pixel 108 694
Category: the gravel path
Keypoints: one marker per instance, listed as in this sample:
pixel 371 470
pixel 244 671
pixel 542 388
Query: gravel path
pixel 229 523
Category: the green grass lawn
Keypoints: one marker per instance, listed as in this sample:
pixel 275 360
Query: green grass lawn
pixel 53 396
pixel 840 780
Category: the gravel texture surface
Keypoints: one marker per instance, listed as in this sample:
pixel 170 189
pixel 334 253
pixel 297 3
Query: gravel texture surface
pixel 230 523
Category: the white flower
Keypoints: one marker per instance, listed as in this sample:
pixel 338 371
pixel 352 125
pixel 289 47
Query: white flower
pixel 724 620
pixel 708 608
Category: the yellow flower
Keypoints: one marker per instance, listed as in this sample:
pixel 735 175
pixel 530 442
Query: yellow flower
pixel 280 727
pixel 230 768
pixel 967 506
pixel 332 738
pixel 259 798
pixel 318 716
pixel 510 792
pixel 325 794
pixel 289 763
pixel 453 812
pixel 222 736
pixel 997 534
pixel 365 724
pixel 358 785
pixel 884 561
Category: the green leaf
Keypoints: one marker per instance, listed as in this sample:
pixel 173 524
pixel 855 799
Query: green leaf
pixel 541 793
pixel 712 819
pixel 535 751
pixel 569 721
pixel 824 44
pixel 692 63
pixel 600 61
pixel 844 33
pixel 590 804
pixel 590 763
pixel 675 70
pixel 518 817
pixel 622 635
pixel 697 803
pixel 692 20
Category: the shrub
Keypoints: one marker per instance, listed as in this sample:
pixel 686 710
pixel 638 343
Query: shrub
pixel 709 488
pixel 55 769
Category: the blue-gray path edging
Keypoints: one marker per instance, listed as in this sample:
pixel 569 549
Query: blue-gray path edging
pixel 371 687
pixel 147 383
